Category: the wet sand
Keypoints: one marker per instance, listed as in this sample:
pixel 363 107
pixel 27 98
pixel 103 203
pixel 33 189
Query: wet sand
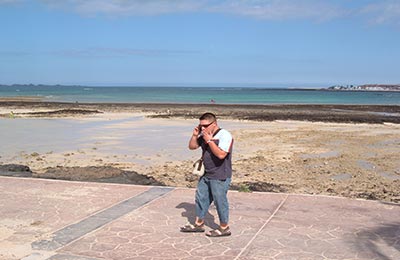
pixel 349 151
pixel 314 113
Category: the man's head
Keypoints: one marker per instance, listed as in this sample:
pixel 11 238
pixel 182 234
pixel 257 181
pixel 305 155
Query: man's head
pixel 208 121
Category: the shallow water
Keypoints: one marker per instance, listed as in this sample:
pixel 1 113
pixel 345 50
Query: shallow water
pixel 135 139
pixel 106 136
pixel 366 165
pixel 44 135
pixel 386 143
pixel 342 177
pixel 220 95
pixel 321 155
pixel 389 176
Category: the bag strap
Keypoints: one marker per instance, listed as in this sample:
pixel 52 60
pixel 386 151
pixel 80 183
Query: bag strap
pixel 216 132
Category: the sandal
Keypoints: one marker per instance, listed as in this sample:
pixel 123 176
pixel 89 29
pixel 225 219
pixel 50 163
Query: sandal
pixel 219 232
pixel 193 228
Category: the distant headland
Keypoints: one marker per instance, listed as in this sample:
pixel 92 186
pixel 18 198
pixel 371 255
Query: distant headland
pixel 38 85
pixel 366 87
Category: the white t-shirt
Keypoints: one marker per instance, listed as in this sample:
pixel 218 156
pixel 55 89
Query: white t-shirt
pixel 225 140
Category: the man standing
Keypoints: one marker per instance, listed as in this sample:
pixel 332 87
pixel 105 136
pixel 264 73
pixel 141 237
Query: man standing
pixel 213 186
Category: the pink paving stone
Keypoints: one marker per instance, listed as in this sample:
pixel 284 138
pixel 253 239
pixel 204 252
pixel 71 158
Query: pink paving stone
pixel 302 227
pixel 53 204
pixel 347 227
pixel 102 247
pixel 125 251
pixel 164 250
pixel 113 239
pixel 34 208
pixel 150 238
pixel 159 222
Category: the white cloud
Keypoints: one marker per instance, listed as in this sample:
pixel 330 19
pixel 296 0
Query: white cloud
pixel 385 12
pixel 264 9
pixel 128 7
pixel 379 12
pixel 281 9
pixel 9 1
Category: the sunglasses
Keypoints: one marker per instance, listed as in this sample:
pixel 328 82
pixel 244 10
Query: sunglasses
pixel 205 126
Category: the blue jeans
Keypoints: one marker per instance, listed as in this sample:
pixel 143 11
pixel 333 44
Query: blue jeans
pixel 209 190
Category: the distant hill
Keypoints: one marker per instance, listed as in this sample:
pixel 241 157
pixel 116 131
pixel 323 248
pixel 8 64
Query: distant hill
pixel 367 87
pixel 38 85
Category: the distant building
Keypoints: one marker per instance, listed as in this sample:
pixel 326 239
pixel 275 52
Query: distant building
pixel 367 87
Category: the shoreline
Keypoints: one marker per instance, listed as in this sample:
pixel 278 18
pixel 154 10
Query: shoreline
pixel 355 156
pixel 254 112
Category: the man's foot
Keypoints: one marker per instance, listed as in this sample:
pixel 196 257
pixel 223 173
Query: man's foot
pixel 193 228
pixel 219 232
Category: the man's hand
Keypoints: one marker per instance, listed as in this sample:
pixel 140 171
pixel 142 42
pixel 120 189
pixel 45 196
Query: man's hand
pixel 193 140
pixel 218 152
pixel 196 131
pixel 207 136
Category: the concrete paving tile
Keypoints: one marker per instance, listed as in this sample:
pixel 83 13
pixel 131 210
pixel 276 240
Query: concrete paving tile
pixel 32 209
pixel 92 221
pixel 153 231
pixel 69 257
pixel 77 230
pixel 308 227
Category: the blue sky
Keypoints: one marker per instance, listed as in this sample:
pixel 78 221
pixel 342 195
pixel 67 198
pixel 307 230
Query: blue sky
pixel 309 43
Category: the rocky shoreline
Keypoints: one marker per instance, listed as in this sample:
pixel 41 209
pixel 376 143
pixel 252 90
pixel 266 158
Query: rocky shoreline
pixel 315 113
pixel 340 150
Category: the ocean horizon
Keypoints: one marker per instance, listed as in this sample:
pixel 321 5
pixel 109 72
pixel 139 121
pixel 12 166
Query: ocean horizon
pixel 199 95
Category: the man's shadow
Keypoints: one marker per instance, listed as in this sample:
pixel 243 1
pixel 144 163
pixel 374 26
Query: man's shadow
pixel 190 214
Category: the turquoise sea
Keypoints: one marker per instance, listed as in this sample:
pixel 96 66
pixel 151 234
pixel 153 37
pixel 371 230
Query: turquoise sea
pixel 219 95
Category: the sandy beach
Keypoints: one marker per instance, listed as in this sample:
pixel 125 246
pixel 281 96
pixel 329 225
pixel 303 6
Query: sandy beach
pixel 349 151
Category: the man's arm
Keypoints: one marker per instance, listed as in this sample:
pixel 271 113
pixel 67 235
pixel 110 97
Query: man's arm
pixel 224 144
pixel 193 143
pixel 217 151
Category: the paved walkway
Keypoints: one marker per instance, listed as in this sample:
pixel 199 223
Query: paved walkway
pixel 51 219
